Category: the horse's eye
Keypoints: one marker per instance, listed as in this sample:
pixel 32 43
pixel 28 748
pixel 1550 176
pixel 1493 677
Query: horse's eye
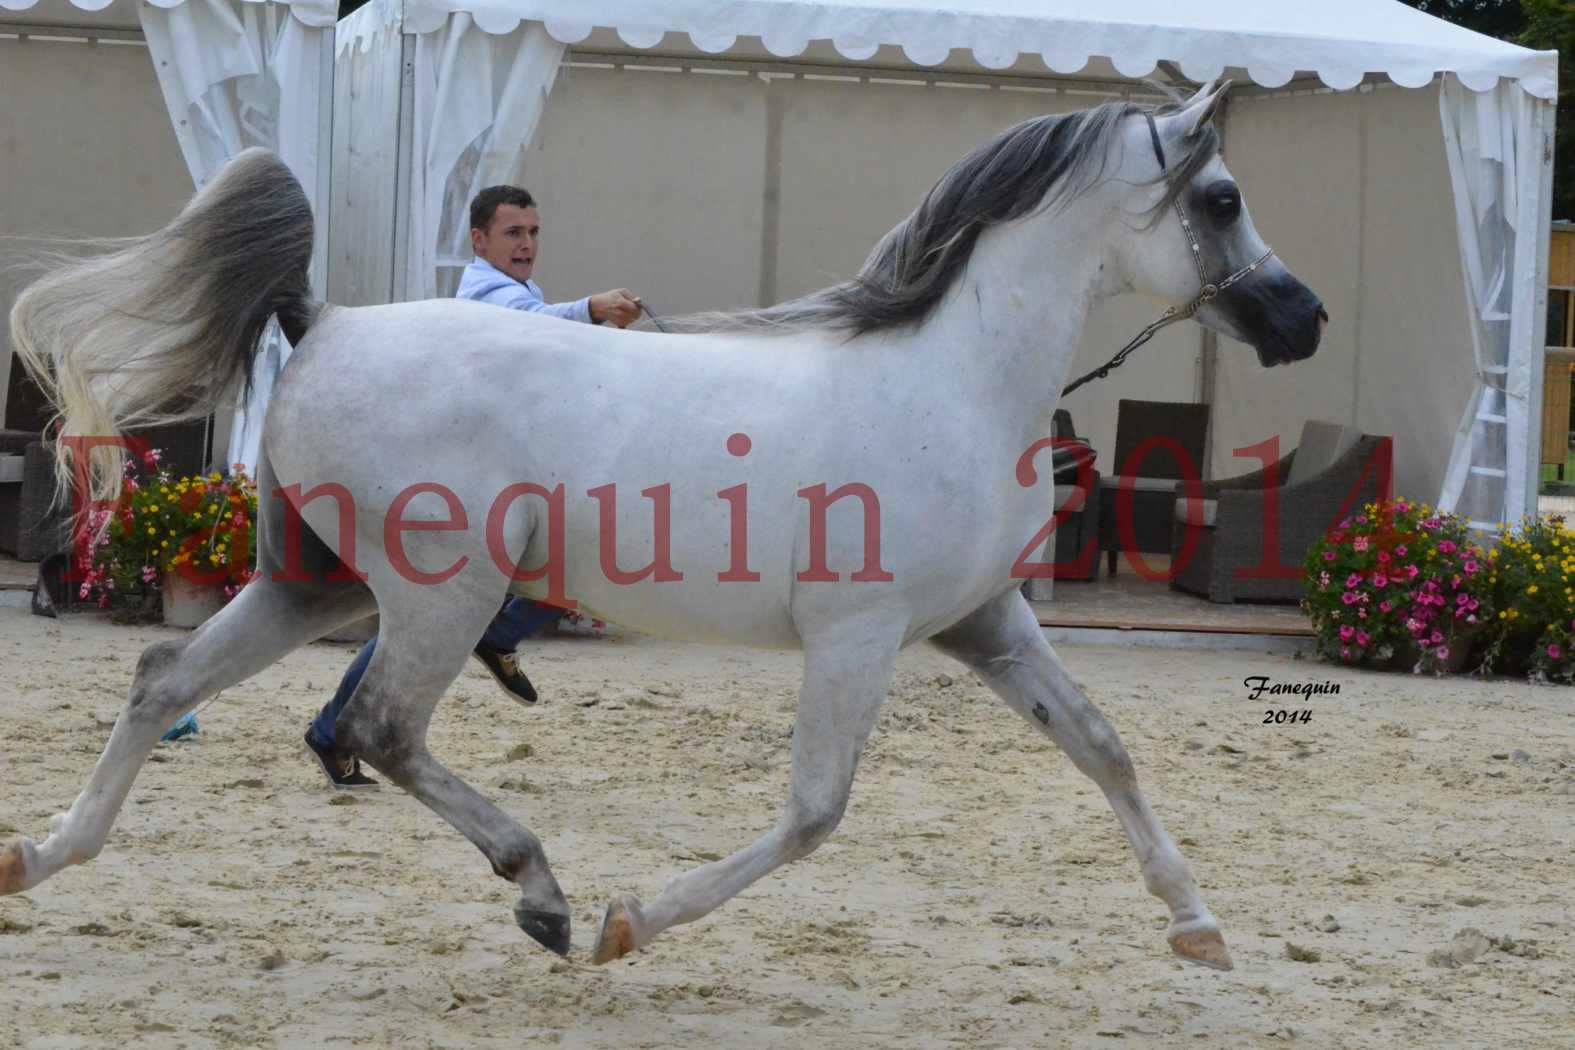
pixel 1223 200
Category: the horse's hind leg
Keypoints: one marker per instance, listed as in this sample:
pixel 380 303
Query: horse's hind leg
pixel 265 622
pixel 1003 644
pixel 422 645
pixel 846 672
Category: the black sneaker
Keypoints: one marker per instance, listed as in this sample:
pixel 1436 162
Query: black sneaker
pixel 505 667
pixel 343 770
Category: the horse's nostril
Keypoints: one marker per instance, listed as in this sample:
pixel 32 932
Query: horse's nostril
pixel 1323 315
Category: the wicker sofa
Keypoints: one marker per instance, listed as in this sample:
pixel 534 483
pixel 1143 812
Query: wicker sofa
pixel 1332 470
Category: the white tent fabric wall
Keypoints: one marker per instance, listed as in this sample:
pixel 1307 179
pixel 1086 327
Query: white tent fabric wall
pixel 60 138
pixel 237 74
pixel 1495 146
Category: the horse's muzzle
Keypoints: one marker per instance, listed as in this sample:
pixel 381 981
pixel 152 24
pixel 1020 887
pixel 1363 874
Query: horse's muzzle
pixel 1278 315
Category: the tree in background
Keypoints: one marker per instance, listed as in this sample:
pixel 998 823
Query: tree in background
pixel 1546 25
pixel 1550 25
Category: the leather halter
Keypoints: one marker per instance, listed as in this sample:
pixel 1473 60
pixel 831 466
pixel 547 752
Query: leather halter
pixel 1207 293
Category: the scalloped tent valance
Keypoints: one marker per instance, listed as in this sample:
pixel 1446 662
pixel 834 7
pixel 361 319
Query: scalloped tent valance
pixel 1341 41
pixel 317 13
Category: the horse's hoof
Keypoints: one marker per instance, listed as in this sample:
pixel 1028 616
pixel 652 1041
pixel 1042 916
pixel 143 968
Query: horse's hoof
pixel 13 867
pixel 1204 947
pixel 546 928
pixel 616 938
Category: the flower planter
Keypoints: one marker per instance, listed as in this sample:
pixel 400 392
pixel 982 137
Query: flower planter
pixel 188 604
pixel 1398 570
pixel 1407 654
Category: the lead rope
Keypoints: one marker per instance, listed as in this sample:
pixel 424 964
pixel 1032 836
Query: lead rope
pixel 652 315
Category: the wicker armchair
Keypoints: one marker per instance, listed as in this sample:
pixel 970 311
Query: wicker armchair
pixel 1332 471
pixel 1153 493
pixel 1073 547
pixel 1077 535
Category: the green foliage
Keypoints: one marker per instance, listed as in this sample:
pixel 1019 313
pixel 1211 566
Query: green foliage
pixel 1503 19
pixel 1550 26
pixel 1533 632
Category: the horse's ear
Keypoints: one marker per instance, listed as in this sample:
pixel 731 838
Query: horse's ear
pixel 1202 106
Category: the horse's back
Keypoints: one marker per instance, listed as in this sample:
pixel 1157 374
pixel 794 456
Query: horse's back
pixel 478 399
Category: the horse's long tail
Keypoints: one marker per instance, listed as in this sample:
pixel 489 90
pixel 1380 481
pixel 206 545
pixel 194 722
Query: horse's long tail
pixel 161 328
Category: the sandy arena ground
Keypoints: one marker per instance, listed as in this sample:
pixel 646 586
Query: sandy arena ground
pixel 979 892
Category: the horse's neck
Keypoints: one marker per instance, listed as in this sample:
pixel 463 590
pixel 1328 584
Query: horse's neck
pixel 1017 314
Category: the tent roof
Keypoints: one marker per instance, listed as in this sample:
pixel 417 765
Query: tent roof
pixel 1341 41
pixel 311 12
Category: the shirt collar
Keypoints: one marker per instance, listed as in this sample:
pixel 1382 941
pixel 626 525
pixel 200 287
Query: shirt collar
pixel 485 265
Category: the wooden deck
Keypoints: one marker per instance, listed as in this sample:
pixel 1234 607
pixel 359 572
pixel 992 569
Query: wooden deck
pixel 1130 602
pixel 16 575
pixel 1125 602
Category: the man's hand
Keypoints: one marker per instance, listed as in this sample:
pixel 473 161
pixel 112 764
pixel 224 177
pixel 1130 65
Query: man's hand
pixel 619 307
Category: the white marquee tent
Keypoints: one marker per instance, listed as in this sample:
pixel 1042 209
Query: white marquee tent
pixel 714 154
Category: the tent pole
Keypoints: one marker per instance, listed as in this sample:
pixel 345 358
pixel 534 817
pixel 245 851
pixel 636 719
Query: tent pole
pixel 404 159
pixel 1209 340
pixel 325 153
pixel 771 194
pixel 1538 151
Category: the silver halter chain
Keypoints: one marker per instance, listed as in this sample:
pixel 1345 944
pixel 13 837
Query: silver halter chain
pixel 1206 294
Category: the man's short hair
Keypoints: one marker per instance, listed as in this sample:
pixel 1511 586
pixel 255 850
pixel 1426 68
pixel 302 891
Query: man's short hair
pixel 487 202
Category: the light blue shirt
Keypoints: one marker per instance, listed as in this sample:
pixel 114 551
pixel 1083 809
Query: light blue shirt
pixel 486 283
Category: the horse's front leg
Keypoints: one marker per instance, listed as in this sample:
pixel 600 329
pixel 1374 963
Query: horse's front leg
pixel 846 672
pixel 1003 644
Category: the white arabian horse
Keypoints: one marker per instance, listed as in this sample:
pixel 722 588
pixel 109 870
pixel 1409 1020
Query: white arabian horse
pixel 848 473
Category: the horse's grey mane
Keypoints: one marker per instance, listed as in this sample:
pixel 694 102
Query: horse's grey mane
pixel 1036 164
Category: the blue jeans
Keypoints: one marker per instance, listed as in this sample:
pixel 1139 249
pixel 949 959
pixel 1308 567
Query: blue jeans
pixel 517 620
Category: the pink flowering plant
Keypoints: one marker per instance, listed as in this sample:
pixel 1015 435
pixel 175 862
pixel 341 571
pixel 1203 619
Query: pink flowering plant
pixel 1533 630
pixel 1398 583
pixel 202 526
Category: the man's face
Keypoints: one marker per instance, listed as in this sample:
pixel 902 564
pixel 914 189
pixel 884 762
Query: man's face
pixel 509 241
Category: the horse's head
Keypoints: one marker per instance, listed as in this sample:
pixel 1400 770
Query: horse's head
pixel 1190 241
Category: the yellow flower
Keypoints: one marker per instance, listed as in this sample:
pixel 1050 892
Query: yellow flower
pixel 1532 589
pixel 172 532
pixel 152 531
pixel 213 508
pixel 164 543
pixel 1502 615
pixel 214 558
